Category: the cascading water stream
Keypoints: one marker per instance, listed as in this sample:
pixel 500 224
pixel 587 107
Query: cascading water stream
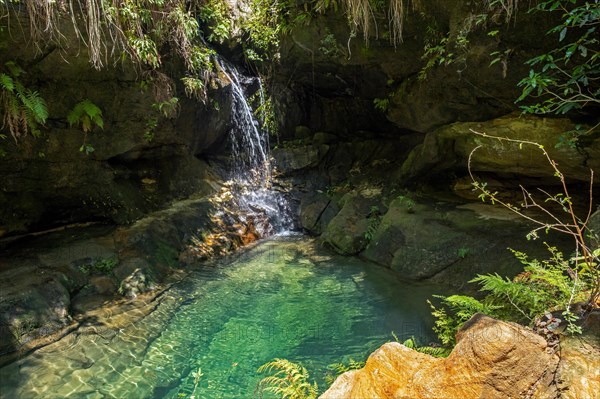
pixel 251 178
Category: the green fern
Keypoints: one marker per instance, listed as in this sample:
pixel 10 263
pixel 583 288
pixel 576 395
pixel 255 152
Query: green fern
pixel 6 82
pixel 542 286
pixel 461 309
pixel 24 109
pixel 546 285
pixel 337 369
pixel 86 114
pixel 287 380
pixel 411 343
pixel 374 219
pixel 168 108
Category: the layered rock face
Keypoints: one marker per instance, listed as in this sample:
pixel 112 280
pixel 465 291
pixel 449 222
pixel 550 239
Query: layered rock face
pixel 142 157
pixel 339 86
pixel 335 76
pixel 492 359
pixel 450 147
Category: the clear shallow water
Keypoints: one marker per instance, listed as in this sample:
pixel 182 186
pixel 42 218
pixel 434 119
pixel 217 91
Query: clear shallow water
pixel 283 298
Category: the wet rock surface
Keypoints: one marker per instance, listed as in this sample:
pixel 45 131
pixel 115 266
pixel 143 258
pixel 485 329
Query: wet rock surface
pixel 49 281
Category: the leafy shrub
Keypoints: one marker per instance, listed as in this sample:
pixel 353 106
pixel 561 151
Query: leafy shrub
pixel 215 15
pixel 543 286
pixel 553 285
pixel 329 45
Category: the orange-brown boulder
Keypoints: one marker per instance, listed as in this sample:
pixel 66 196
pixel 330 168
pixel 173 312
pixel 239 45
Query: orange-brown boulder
pixel 492 359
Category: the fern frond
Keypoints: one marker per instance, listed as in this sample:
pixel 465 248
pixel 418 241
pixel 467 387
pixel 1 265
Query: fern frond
pixel 434 351
pixel 288 380
pixel 90 109
pixel 73 116
pixel 98 121
pixel 87 114
pixel 6 82
pixel 411 343
pixel 38 106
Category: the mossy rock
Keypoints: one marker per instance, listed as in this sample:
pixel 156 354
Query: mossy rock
pixel 426 238
pixel 346 233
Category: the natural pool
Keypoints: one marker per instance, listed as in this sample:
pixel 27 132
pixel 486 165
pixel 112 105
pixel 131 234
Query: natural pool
pixel 283 298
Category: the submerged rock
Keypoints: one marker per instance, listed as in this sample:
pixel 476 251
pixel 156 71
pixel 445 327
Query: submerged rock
pixel 492 359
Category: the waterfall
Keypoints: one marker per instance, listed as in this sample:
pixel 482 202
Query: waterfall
pixel 251 178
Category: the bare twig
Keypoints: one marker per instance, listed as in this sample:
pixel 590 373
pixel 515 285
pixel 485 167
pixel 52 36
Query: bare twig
pixel 575 227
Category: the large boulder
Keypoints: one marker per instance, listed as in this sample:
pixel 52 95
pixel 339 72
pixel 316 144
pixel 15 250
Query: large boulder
pixel 346 233
pixel 492 359
pixel 316 211
pixel 578 373
pixel 288 160
pixel 449 148
pixel 451 240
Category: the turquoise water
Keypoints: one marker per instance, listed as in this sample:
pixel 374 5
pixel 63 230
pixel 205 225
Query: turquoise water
pixel 284 298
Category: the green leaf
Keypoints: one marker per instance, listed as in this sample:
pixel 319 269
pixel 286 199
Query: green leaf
pixel 87 149
pixel 562 35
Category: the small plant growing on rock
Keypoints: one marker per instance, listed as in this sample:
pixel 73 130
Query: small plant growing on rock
pixel 408 202
pixel 86 115
pixel 100 266
pixel 463 252
pixel 329 45
pixel 337 369
pixel 374 222
pixel 381 104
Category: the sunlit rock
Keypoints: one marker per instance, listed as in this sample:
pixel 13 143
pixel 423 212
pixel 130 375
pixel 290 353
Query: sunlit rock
pixel 492 359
